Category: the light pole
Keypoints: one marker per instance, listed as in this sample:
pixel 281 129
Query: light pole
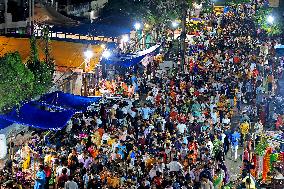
pixel 137 27
pixel 174 27
pixel 270 19
pixel 88 54
pixel 124 42
pixel 106 54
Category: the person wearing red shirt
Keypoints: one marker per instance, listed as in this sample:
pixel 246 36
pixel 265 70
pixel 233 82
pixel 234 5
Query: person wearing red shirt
pixel 173 114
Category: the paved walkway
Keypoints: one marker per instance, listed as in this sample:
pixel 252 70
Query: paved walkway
pixel 234 168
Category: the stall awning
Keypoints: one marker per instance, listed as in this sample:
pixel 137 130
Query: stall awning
pixel 128 60
pixel 39 116
pixel 52 111
pixel 69 101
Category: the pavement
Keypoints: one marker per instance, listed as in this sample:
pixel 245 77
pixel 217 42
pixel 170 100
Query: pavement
pixel 234 167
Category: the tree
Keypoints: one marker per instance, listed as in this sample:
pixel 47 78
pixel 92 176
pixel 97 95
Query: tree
pixel 21 82
pixel 16 81
pixel 261 16
pixel 42 70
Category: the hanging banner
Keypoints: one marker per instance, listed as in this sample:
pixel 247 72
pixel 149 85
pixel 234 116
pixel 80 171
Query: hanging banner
pixel 273 3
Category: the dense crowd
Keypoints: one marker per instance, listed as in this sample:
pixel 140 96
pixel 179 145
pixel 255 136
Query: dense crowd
pixel 179 131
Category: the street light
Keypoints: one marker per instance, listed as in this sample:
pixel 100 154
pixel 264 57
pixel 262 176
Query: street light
pixel 103 46
pixel 175 24
pixel 137 26
pixel 106 54
pixel 270 19
pixel 125 38
pixel 88 54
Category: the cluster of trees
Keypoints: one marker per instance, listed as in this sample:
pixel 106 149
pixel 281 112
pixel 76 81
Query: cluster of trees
pixel 21 81
pixel 155 13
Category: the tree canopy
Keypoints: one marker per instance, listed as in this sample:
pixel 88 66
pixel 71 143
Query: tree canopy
pixel 16 81
pixel 19 81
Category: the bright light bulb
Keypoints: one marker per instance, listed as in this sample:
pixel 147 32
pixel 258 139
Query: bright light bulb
pixel 88 54
pixel 175 24
pixel 125 38
pixel 137 26
pixel 106 54
pixel 270 19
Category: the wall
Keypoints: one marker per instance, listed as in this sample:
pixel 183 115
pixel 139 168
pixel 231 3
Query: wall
pixel 66 54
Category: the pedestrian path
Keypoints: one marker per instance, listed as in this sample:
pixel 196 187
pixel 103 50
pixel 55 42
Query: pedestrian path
pixel 234 166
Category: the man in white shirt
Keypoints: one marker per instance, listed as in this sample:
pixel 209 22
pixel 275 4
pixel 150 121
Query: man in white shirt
pixel 174 166
pixel 70 184
pixel 59 170
pixel 209 145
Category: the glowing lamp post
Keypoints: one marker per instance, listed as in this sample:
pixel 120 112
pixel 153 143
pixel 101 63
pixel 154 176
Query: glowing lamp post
pixel 125 38
pixel 137 26
pixel 270 19
pixel 175 24
pixel 88 55
pixel 106 54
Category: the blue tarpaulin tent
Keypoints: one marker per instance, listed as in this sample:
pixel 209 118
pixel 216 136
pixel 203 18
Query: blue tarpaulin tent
pixel 69 101
pixel 52 111
pixel 4 123
pixel 129 60
pixel 35 115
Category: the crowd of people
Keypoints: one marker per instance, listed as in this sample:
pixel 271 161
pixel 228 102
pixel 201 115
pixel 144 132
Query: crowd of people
pixel 179 131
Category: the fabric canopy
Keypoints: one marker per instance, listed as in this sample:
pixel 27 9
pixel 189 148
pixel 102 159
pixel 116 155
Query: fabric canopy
pixel 69 101
pixel 52 111
pixel 4 123
pixel 38 116
pixel 129 60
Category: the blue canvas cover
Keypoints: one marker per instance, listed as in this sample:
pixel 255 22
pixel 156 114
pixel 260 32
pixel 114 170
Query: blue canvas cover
pixel 39 116
pixel 52 111
pixel 129 60
pixel 69 101
pixel 4 123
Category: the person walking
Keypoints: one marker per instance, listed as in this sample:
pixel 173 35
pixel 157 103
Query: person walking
pixel 70 184
pixel 235 137
pixel 40 178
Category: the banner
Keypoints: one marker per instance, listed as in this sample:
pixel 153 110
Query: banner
pixel 273 3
